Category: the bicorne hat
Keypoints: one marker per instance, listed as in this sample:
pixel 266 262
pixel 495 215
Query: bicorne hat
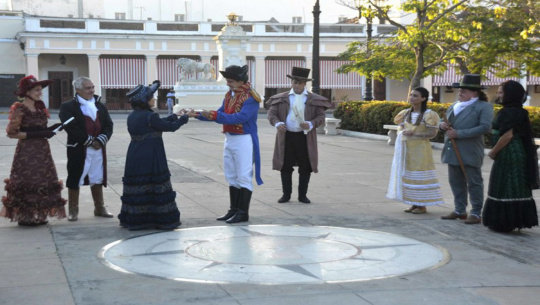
pixel 236 72
pixel 143 94
pixel 470 81
pixel 300 74
pixel 29 82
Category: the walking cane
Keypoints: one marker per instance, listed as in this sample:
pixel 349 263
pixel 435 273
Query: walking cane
pixel 458 154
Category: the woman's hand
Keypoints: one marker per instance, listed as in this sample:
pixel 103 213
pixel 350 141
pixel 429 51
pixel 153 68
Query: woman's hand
pixel 408 133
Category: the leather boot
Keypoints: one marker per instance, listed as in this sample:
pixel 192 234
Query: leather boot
pixel 73 204
pixel 234 194
pixel 303 187
pixel 99 205
pixel 242 214
pixel 286 184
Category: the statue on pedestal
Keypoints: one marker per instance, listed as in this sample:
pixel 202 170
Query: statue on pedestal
pixel 189 66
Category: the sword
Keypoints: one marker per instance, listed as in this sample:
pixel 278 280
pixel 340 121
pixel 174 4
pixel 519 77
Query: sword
pixel 458 154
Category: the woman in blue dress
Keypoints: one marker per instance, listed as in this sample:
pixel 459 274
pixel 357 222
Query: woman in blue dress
pixel 148 200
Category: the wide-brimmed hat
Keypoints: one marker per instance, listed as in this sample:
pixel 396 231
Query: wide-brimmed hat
pixel 29 82
pixel 143 94
pixel 470 81
pixel 300 74
pixel 236 72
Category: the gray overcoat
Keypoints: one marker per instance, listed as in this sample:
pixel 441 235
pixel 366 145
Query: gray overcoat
pixel 471 124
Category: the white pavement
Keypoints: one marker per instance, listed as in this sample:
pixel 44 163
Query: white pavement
pixel 59 263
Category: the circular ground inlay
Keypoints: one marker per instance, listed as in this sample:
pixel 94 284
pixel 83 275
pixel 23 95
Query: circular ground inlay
pixel 271 254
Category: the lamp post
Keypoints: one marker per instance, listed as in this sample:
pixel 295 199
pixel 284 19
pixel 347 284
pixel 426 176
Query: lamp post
pixel 361 4
pixel 315 65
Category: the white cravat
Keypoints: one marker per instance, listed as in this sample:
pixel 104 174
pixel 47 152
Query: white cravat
pixel 459 106
pixel 88 107
pixel 297 101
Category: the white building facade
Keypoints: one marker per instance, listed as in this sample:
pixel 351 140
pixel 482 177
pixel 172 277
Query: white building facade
pixel 120 44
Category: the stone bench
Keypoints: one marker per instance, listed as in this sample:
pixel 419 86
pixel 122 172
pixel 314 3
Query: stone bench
pixel 392 133
pixel 331 125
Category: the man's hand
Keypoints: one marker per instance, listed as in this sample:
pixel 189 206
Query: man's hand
pixel 452 133
pixel 282 128
pixel 96 145
pixel 444 126
pixel 304 126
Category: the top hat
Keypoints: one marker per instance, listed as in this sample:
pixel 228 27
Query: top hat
pixel 300 74
pixel 236 72
pixel 29 82
pixel 142 94
pixel 470 81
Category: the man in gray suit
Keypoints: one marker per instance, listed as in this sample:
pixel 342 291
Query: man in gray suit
pixel 467 121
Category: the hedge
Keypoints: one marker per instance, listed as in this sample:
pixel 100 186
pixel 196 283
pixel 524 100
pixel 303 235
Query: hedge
pixel 370 117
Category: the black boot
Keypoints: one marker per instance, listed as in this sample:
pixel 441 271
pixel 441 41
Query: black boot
pixel 286 184
pixel 303 187
pixel 242 214
pixel 234 194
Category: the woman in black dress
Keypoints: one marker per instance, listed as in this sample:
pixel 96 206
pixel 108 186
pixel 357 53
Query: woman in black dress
pixel 148 200
pixel 514 174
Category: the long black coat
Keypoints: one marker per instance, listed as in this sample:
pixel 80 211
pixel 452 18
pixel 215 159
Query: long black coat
pixel 78 138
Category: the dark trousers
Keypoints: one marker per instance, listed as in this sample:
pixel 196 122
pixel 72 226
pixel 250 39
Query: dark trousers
pixel 296 153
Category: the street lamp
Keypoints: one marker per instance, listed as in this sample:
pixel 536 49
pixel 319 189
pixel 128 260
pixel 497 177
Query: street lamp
pixel 315 65
pixel 361 4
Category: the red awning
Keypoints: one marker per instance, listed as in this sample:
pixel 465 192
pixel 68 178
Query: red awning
pixel 533 80
pixel 333 80
pixel 122 73
pixel 277 70
pixel 452 75
pixel 167 72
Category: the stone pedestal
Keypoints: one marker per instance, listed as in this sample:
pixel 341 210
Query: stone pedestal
pixel 199 94
pixel 231 44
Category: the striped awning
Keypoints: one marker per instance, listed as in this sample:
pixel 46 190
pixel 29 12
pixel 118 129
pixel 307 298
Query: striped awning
pixel 122 73
pixel 167 72
pixel 277 70
pixel 533 80
pixel 452 75
pixel 333 80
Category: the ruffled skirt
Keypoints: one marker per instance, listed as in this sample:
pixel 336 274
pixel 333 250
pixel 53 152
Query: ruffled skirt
pixel 148 202
pixel 510 204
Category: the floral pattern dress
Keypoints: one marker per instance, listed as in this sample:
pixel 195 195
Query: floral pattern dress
pixel 33 188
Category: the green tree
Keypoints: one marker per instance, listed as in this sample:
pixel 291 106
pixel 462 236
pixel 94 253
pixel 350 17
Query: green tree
pixel 495 35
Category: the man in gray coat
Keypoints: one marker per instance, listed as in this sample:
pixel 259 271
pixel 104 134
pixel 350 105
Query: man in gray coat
pixel 467 120
pixel 296 114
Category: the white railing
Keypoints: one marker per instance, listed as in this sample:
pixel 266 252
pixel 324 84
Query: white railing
pixel 152 27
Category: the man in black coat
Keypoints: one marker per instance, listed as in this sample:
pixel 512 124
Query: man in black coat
pixel 88 135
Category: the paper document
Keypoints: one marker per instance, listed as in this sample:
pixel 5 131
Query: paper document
pixel 300 118
pixel 63 124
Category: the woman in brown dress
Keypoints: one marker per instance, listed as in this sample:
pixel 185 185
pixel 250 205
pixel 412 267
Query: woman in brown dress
pixel 33 188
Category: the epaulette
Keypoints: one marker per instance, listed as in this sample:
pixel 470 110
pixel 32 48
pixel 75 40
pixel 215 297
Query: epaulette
pixel 256 95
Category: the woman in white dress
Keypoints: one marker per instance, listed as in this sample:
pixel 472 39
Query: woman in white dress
pixel 413 179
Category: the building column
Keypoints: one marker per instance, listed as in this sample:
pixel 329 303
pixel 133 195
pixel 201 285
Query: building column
pixel 427 82
pixel 260 76
pixel 151 68
pixel 94 73
pixel 32 67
